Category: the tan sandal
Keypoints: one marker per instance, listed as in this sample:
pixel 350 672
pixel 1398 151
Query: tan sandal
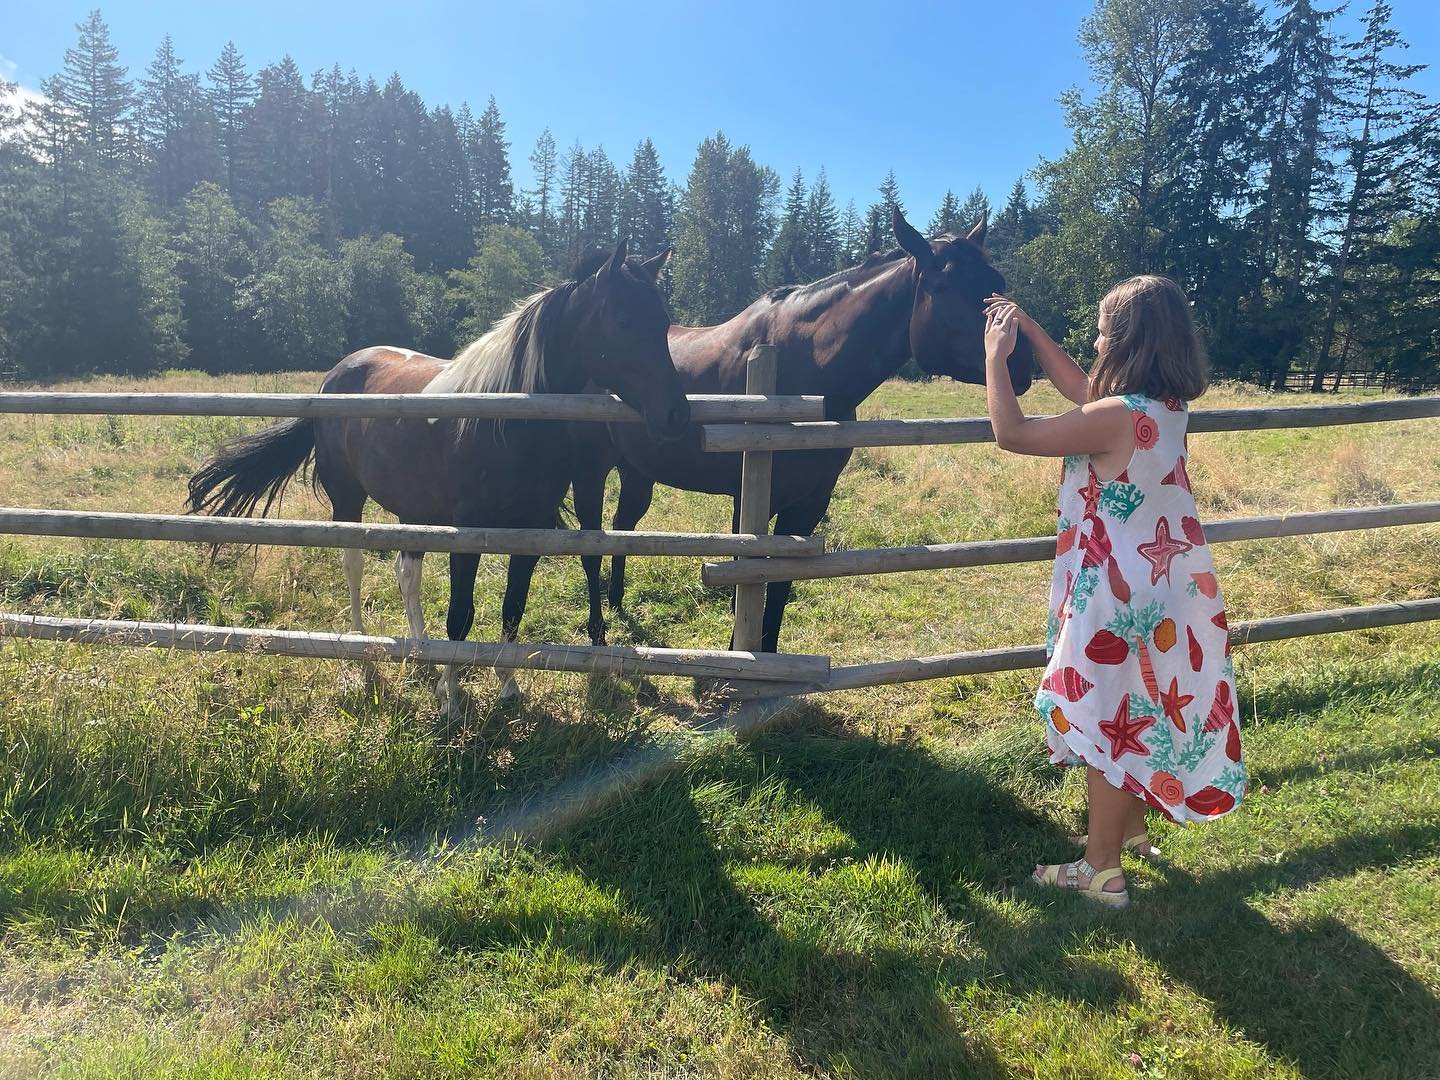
pixel 1138 844
pixel 1051 876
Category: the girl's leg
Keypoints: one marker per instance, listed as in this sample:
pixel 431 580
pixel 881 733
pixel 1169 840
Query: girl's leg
pixel 1135 819
pixel 1112 815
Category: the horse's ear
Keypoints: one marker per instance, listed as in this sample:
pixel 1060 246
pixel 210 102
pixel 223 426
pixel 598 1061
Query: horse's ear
pixel 654 265
pixel 617 260
pixel 977 235
pixel 911 240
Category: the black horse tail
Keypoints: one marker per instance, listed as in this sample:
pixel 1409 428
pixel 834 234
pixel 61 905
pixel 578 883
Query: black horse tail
pixel 252 468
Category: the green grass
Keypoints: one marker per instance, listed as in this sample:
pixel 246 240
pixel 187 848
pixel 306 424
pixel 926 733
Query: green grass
pixel 235 866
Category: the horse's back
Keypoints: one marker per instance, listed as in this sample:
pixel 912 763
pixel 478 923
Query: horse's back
pixel 382 369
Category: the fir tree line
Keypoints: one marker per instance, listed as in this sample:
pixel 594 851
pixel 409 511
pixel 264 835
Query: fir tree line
pixel 239 220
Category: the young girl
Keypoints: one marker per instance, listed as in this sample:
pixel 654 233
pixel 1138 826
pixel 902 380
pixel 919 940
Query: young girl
pixel 1140 688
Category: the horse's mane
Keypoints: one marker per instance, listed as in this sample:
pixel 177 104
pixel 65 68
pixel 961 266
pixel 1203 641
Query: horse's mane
pixel 509 357
pixel 846 276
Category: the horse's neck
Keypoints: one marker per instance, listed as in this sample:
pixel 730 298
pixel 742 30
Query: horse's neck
pixel 560 368
pixel 860 337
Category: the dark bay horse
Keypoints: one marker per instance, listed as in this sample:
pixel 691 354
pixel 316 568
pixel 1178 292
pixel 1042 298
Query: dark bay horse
pixel 841 337
pixel 605 327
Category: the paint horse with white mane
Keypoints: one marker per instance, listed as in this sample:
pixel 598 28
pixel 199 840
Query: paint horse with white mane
pixel 606 326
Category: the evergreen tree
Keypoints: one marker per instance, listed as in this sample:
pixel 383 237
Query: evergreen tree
pixel 878 233
pixel 722 224
pixel 447 239
pixel 645 207
pixel 93 88
pixel 1299 81
pixel 1015 225
pixel 788 262
pixel 947 218
pixel 975 209
pixel 1381 157
pixel 544 165
pixel 574 191
pixel 489 163
pixel 1217 154
pixel 852 237
pixel 822 227
pixel 279 137
pixel 230 93
pixel 177 134
pixel 600 222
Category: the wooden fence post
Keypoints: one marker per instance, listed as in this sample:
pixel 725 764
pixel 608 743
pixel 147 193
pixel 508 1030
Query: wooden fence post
pixel 760 376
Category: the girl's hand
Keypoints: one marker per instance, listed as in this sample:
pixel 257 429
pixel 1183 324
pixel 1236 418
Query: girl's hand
pixel 1001 326
pixel 1023 322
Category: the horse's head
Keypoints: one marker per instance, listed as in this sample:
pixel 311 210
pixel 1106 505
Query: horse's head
pixel 621 326
pixel 947 322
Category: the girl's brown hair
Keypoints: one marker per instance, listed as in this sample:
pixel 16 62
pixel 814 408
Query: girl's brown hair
pixel 1151 347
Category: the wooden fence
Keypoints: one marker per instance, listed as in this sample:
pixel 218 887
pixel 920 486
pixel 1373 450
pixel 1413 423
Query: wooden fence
pixel 757 425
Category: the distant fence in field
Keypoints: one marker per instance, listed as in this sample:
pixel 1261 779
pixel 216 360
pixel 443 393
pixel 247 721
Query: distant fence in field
pixel 757 425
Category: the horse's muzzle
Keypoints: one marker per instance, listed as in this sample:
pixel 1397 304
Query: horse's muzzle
pixel 672 425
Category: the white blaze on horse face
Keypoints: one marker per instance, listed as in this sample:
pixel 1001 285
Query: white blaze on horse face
pixel 354 561
pixel 407 575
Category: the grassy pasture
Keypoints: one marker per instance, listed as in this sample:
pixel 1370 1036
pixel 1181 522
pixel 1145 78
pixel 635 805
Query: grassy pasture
pixel 223 866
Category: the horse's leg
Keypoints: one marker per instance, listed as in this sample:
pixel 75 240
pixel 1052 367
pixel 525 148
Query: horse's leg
pixel 347 503
pixel 517 591
pixel 800 519
pixel 354 562
pixel 636 492
pixel 458 621
pixel 408 566
pixel 589 488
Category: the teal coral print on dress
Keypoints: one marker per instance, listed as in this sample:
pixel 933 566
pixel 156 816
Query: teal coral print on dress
pixel 1134 402
pixel 1120 500
pixel 1084 588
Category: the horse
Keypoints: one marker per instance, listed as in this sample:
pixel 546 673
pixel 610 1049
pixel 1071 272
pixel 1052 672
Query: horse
pixel 605 327
pixel 841 336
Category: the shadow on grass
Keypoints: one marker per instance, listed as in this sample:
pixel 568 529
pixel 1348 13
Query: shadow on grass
pixel 877 1011
pixel 1316 994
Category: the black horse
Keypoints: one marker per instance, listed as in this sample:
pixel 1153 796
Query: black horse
pixel 841 337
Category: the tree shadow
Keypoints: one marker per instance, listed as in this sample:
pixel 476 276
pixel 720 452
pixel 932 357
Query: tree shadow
pixel 1317 994
pixel 877 1012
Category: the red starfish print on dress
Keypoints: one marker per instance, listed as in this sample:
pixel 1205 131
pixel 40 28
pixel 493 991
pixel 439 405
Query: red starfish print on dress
pixel 1178 476
pixel 1124 732
pixel 1162 551
pixel 1091 493
pixel 1172 701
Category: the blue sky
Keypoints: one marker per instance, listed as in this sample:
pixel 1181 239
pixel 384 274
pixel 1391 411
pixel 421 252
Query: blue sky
pixel 947 94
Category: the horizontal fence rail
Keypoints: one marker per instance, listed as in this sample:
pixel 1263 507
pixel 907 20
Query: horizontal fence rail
pixel 989 661
pixel 842 434
pixel 386 537
pixel 811 671
pixel 1042 548
pixel 704 408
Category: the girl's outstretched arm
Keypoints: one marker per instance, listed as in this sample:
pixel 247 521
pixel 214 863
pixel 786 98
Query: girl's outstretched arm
pixel 1060 367
pixel 1097 427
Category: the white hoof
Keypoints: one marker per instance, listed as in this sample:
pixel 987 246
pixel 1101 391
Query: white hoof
pixel 448 694
pixel 510 691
